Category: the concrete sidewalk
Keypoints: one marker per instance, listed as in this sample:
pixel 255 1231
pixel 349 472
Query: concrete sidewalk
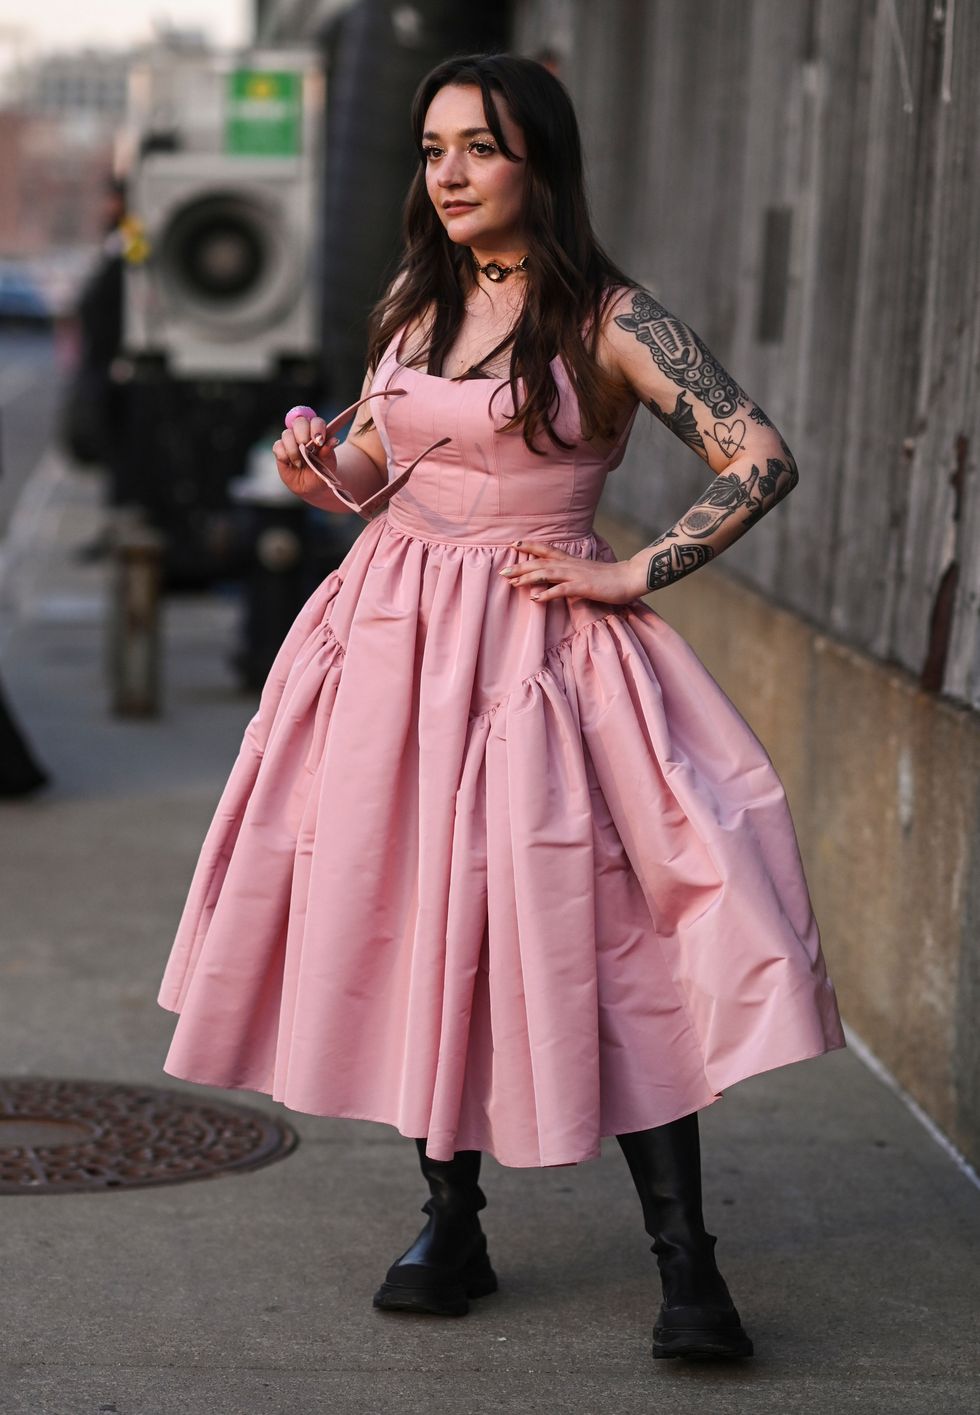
pixel 847 1235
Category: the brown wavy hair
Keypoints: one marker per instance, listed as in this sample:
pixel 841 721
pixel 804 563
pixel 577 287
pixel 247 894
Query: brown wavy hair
pixel 570 278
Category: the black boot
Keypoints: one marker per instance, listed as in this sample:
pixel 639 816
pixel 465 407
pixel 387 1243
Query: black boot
pixel 448 1263
pixel 697 1316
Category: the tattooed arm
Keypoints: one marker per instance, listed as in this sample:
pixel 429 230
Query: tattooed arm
pixel 683 384
pixel 665 365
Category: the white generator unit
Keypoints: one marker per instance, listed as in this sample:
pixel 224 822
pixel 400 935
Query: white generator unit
pixel 222 271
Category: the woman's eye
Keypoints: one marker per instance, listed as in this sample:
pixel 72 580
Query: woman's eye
pixel 484 149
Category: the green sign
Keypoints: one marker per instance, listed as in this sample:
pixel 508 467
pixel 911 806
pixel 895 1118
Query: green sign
pixel 264 113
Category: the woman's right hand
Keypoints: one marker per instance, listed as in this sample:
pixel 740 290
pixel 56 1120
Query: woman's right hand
pixel 289 463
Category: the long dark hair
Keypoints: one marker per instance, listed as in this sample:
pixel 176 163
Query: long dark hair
pixel 570 278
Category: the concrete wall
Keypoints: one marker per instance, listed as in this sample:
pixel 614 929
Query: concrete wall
pixel 883 780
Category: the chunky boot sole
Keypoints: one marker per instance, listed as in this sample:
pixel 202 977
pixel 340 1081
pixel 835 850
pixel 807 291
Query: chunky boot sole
pixel 442 1297
pixel 705 1342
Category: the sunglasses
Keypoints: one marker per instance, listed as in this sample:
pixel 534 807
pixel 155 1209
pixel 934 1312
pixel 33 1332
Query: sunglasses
pixel 380 498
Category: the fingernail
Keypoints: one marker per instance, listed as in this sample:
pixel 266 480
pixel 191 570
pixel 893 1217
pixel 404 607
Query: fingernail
pixel 319 439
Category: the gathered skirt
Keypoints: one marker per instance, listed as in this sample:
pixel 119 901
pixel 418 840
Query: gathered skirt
pixel 511 880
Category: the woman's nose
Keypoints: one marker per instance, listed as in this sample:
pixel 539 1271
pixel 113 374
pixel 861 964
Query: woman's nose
pixel 451 171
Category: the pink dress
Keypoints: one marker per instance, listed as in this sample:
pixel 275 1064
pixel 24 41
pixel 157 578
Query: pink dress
pixel 510 875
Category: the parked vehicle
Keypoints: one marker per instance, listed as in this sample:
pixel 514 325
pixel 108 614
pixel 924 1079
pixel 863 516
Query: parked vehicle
pixel 22 301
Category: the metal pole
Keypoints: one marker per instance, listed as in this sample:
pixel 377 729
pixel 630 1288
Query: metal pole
pixel 134 638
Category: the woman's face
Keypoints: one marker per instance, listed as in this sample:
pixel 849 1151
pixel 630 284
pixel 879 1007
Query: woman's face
pixel 477 191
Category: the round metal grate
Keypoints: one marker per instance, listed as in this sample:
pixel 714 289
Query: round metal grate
pixel 63 1137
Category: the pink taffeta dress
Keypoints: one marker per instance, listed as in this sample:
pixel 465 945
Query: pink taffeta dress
pixel 511 875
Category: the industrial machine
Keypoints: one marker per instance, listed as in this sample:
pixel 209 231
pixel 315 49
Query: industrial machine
pixel 222 304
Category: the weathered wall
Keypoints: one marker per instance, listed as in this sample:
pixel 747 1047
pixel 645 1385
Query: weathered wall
pixel 801 183
pixel 755 165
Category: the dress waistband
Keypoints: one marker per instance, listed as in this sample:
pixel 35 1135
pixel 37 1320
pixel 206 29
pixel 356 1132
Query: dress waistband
pixel 424 523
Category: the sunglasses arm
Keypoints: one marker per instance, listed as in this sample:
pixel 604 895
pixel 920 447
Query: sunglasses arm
pixel 380 498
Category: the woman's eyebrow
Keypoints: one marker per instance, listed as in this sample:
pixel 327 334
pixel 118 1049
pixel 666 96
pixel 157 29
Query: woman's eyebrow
pixel 463 133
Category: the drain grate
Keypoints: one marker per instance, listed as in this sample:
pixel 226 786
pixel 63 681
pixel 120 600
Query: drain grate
pixel 64 1137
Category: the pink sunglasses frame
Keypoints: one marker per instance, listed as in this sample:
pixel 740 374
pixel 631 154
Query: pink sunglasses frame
pixel 383 496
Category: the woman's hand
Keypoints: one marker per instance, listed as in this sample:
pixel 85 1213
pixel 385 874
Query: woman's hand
pixel 289 463
pixel 552 573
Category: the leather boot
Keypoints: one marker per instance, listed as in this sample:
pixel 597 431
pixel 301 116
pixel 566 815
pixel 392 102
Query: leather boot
pixel 697 1316
pixel 448 1263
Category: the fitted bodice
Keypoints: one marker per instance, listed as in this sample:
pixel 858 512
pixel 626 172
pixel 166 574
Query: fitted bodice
pixel 485 484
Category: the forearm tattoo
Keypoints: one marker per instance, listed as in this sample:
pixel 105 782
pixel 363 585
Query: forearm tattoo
pixel 675 562
pixel 728 495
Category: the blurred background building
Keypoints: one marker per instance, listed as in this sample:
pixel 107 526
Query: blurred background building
pixel 798 182
pixel 57 129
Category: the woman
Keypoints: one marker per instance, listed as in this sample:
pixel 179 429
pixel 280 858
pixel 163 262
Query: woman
pixel 608 923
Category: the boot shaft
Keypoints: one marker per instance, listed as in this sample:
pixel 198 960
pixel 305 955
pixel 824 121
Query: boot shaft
pixel 453 1186
pixel 665 1165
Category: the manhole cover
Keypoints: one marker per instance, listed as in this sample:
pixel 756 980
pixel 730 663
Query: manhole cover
pixel 60 1137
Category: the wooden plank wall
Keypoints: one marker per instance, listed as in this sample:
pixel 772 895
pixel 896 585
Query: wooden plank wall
pixel 853 126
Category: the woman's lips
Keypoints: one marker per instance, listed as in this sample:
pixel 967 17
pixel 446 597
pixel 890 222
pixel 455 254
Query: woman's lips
pixel 460 206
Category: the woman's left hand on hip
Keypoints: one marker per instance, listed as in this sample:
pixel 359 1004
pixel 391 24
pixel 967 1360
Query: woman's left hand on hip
pixel 554 574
